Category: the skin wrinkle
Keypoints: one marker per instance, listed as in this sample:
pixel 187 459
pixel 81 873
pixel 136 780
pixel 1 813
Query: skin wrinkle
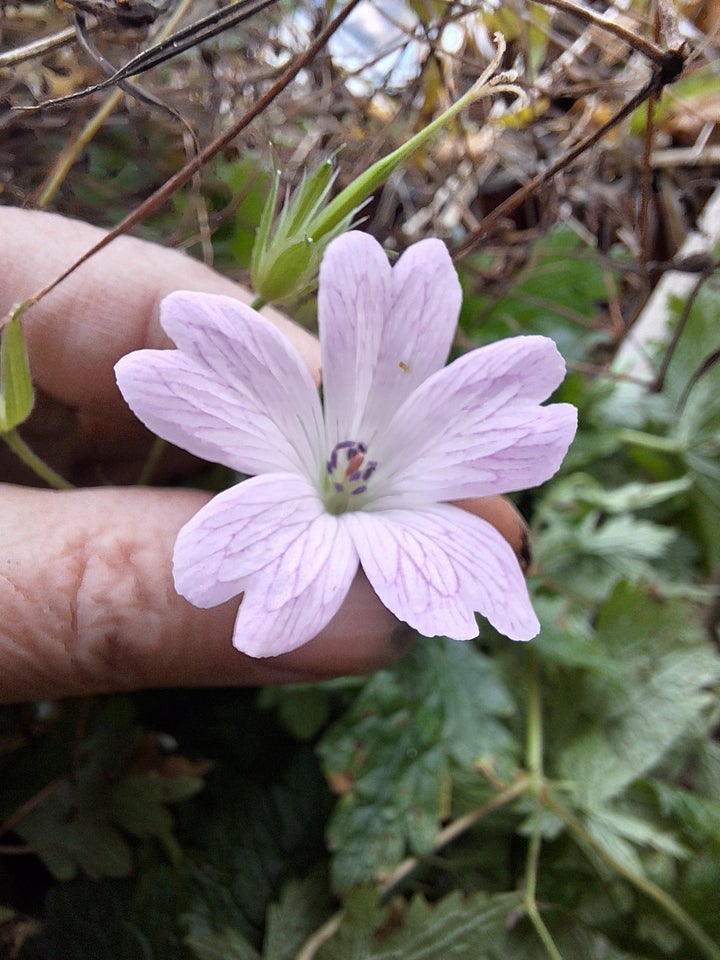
pixel 95 612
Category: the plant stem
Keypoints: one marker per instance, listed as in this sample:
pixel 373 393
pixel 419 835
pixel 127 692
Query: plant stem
pixel 18 446
pixel 534 737
pixel 153 458
pixel 453 830
pixel 258 303
pixel 530 901
pixel 672 908
pixel 650 441
pixel 321 936
pixel 534 761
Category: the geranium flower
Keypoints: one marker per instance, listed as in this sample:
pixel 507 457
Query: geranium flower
pixel 363 478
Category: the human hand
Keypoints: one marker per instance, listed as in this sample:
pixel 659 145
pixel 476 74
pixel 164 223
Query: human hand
pixel 86 591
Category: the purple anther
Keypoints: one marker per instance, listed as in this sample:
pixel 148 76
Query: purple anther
pixel 339 487
pixel 354 476
pixel 352 452
pixel 358 490
pixel 343 445
pixel 332 462
pixel 369 470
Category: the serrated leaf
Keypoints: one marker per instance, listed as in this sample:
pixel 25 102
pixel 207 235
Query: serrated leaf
pixel 227 944
pixel 697 817
pixel 669 668
pixel 139 802
pixel 592 553
pixel 392 756
pixel 256 840
pixel 303 907
pixel 462 928
pixel 79 825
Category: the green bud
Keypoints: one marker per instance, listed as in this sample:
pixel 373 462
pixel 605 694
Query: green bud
pixel 286 254
pixel 16 389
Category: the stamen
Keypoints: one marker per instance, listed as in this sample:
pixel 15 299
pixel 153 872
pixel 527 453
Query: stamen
pixel 347 479
pixel 369 470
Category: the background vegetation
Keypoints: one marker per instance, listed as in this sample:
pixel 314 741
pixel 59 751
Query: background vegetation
pixel 486 800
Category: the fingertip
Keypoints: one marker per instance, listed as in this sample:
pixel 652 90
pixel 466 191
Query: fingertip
pixel 507 520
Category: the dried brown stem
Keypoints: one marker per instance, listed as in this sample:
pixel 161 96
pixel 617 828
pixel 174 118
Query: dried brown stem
pixel 186 173
pixel 529 189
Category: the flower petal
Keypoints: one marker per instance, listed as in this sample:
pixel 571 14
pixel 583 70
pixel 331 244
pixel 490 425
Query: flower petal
pixel 269 538
pixel 235 392
pixel 434 568
pixel 476 428
pixel 382 331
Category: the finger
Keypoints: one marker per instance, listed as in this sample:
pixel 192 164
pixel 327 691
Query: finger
pixel 89 605
pixel 507 520
pixel 105 309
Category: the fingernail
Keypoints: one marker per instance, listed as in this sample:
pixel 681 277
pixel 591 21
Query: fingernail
pixel 525 553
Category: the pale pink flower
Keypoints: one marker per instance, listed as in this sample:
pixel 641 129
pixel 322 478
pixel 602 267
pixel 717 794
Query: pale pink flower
pixel 363 478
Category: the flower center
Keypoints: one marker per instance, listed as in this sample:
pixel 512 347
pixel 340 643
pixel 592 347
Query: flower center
pixel 346 476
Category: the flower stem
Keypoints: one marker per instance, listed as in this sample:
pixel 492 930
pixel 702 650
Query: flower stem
pixel 530 900
pixel 672 908
pixel 21 450
pixel 534 762
pixel 258 303
pixel 534 736
pixel 153 459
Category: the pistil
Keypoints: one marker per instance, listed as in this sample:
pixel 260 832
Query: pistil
pixel 347 474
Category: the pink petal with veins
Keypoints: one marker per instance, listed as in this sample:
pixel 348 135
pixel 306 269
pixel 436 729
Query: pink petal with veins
pixel 271 539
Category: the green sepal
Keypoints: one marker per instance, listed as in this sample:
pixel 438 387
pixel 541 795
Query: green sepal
pixel 309 197
pixel 16 390
pixel 288 273
pixel 263 231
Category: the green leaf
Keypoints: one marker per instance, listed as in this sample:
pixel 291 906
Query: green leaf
pixel 303 907
pixel 632 723
pixel 302 709
pixel 694 389
pixel 16 389
pixel 92 920
pixel 462 928
pixel 228 944
pixel 79 825
pixel 393 754
pixel 556 292
pixel 590 553
pixel 139 802
pixel 255 841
